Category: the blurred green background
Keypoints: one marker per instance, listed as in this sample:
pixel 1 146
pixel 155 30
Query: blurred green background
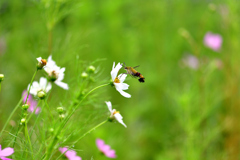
pixel 179 113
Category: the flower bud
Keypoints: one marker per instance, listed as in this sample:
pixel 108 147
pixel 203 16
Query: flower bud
pixel 41 94
pixel 41 63
pixel 91 69
pixel 23 121
pixel 84 75
pixel 25 106
pixel 51 130
pixel 60 110
pixel 1 77
pixel 61 116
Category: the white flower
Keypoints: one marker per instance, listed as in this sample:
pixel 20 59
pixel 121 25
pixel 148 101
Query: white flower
pixel 43 85
pixel 41 63
pixel 118 80
pixel 115 114
pixel 55 73
pixel 39 59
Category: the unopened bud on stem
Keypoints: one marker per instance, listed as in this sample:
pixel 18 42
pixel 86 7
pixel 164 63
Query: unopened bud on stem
pixel 1 77
pixel 91 69
pixel 25 106
pixel 84 75
pixel 41 94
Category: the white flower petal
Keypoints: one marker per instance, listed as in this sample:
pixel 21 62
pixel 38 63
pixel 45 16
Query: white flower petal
pixel 48 87
pixel 113 66
pixel 119 118
pixel 119 89
pixel 109 104
pixel 62 85
pixel 47 69
pixel 43 83
pixel 115 70
pixel 34 88
pixel 62 70
pixel 39 59
pixel 123 86
pixel 60 77
pixel 50 62
pixel 122 77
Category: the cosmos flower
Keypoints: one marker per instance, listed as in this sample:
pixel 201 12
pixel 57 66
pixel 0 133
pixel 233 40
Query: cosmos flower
pixel 6 152
pixel 191 61
pixel 213 41
pixel 41 63
pixel 105 149
pixel 118 80
pixel 40 89
pixel 55 73
pixel 115 114
pixel 70 154
pixel 31 102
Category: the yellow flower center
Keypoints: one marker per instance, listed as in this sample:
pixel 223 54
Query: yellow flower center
pixel 115 112
pixel 116 80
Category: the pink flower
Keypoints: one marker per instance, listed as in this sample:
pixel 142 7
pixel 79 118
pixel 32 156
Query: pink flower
pixel 191 61
pixel 70 154
pixel 31 102
pixel 5 152
pixel 213 41
pixel 105 149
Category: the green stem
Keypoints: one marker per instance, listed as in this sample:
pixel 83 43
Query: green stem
pixel 30 85
pixel 36 121
pixel 25 103
pixel 90 131
pixel 55 139
pixel 70 115
pixel 9 118
pixel 49 109
pixel 84 136
pixel 28 139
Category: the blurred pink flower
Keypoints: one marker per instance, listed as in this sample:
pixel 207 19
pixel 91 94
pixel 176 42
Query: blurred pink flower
pixel 31 102
pixel 70 154
pixel 191 61
pixel 6 152
pixel 105 149
pixel 213 41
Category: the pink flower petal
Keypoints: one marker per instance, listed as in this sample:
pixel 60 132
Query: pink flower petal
pixel 100 143
pixel 25 96
pixel 62 150
pixel 213 41
pixel 70 154
pixel 111 154
pixel 4 158
pixel 105 149
pixel 6 152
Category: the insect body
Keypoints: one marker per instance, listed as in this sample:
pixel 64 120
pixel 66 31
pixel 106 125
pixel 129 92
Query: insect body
pixel 134 73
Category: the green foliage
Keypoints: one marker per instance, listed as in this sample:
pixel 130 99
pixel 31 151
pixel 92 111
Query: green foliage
pixel 178 113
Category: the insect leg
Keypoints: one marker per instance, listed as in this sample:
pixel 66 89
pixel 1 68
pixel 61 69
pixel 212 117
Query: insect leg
pixel 136 66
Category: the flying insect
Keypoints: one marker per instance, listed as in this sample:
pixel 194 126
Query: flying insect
pixel 133 72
